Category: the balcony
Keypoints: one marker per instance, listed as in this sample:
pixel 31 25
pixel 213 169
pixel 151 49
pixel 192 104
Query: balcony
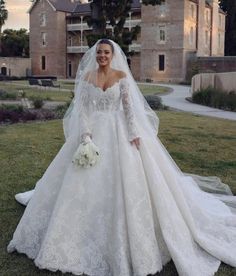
pixel 82 49
pixel 77 49
pixel 132 23
pixel 78 27
pixel 135 47
pixel 84 26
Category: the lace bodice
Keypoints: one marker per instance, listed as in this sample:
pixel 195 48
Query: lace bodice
pixel 113 99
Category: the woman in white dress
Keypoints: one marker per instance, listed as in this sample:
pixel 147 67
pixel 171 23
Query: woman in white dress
pixel 130 211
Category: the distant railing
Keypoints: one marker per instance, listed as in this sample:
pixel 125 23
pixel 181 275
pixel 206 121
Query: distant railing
pixel 78 27
pixel 135 47
pixel 84 26
pixel 82 49
pixel 77 49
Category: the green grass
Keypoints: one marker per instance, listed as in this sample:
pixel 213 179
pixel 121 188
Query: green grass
pixel 198 144
pixel 45 94
pixel 153 89
pixel 145 88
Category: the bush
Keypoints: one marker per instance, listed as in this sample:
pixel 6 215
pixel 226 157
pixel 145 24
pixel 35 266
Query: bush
pixel 38 103
pixel 7 96
pixel 15 114
pixel 154 101
pixel 215 98
pixel 12 107
pixel 60 110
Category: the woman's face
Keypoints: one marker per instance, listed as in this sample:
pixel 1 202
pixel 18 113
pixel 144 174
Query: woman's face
pixel 104 54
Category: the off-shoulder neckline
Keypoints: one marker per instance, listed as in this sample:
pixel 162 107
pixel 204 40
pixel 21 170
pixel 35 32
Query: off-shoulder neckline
pixel 109 87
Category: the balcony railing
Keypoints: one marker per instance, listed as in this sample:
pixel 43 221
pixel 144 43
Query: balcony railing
pixel 77 49
pixel 82 49
pixel 78 27
pixel 135 47
pixel 84 26
pixel 132 23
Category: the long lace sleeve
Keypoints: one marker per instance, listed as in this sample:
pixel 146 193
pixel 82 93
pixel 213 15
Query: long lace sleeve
pixel 84 117
pixel 128 110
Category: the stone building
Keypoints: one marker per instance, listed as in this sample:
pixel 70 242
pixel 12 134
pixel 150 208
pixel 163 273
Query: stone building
pixel 15 66
pixel 171 34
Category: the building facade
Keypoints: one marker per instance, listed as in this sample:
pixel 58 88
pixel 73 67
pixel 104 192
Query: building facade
pixel 15 66
pixel 171 33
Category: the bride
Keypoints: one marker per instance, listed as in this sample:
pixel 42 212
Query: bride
pixel 130 210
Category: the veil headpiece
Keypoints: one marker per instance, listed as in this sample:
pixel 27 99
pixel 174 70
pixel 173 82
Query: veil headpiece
pixel 146 118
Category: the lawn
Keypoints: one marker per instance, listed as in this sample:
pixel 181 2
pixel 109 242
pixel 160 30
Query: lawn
pixel 45 94
pixel 57 95
pixel 198 144
pixel 153 89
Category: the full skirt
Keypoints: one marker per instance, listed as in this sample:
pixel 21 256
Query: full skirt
pixel 128 215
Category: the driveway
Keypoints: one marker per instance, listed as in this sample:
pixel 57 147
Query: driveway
pixel 176 100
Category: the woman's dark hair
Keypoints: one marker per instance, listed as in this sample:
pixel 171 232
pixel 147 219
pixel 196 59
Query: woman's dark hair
pixel 107 41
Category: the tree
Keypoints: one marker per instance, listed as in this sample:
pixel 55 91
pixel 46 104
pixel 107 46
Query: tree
pixel 113 13
pixel 3 17
pixel 152 2
pixel 15 43
pixel 3 14
pixel 229 6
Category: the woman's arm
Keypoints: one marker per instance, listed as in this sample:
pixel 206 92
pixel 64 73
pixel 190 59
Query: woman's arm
pixel 85 130
pixel 129 114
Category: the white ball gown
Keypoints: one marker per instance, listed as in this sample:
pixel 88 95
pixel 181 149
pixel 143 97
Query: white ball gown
pixel 131 213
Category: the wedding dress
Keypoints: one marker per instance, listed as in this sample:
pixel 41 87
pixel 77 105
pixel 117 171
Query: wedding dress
pixel 132 212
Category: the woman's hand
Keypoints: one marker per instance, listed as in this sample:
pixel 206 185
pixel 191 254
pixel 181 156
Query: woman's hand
pixel 136 142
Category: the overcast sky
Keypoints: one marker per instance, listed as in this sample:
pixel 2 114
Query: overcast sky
pixel 17 14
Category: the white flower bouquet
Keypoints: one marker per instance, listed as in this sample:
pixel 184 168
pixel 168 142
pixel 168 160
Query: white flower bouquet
pixel 87 154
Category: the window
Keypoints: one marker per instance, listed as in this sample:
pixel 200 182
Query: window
pixel 220 21
pixel 162 9
pixel 207 38
pixel 43 63
pixel 162 34
pixel 161 62
pixel 70 41
pixel 191 36
pixel 43 38
pixel 69 69
pixel 43 19
pixel 192 11
pixel 207 16
pixel 219 40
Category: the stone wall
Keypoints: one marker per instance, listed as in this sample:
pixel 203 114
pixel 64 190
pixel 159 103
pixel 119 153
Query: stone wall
pixel 210 65
pixel 223 81
pixel 15 66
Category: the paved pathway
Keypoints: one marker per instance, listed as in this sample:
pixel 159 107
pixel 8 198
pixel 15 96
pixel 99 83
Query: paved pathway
pixel 176 100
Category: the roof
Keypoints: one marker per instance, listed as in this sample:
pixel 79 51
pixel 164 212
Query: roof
pixel 63 5
pixel 85 8
pixel 59 5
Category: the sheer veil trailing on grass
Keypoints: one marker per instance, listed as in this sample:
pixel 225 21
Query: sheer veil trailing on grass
pixel 133 211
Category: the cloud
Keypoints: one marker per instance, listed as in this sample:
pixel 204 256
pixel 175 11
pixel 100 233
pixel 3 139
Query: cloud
pixel 17 14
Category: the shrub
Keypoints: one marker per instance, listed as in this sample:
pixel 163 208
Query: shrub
pixel 7 96
pixel 60 110
pixel 15 114
pixel 29 116
pixel 215 98
pixel 154 101
pixel 38 103
pixel 12 107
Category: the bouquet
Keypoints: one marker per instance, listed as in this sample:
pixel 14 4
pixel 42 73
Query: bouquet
pixel 87 154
